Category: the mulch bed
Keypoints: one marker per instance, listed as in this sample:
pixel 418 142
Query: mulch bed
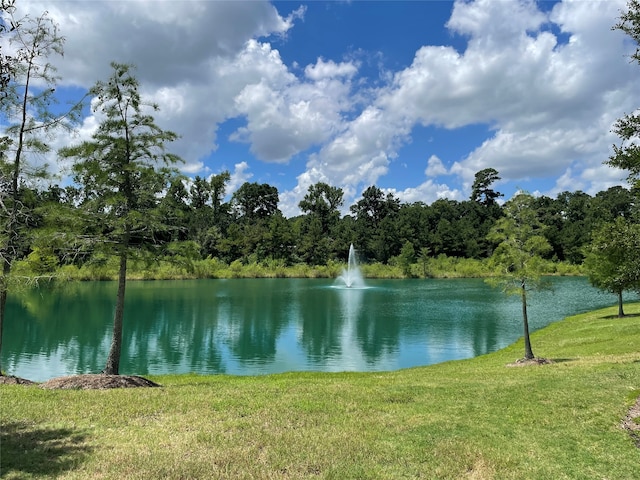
pixel 84 382
pixel 11 380
pixel 97 382
pixel 525 362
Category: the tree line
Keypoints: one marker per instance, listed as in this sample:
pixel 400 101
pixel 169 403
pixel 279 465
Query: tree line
pixel 191 218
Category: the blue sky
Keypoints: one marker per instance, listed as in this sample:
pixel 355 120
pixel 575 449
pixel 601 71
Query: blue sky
pixel 414 97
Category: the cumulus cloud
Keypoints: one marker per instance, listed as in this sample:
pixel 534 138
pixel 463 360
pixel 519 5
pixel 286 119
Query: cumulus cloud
pixel 427 192
pixel 561 112
pixel 551 104
pixel 239 176
pixel 203 63
pixel 435 167
pixel 184 53
pixel 330 69
pixel 289 116
pixel 169 41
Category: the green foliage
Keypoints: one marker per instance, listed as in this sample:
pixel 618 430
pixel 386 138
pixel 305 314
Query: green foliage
pixel 253 201
pixel 423 258
pixel 627 155
pixel 381 270
pixel 323 201
pixel 313 247
pixel 319 228
pixel 613 258
pixel 122 171
pixel 407 258
pixel 443 266
pixel 376 230
pixel 28 82
pixel 629 23
pixel 171 266
pixel 450 232
pixel 521 245
pixel 42 261
pixel 481 189
pixel 518 256
pixel 7 66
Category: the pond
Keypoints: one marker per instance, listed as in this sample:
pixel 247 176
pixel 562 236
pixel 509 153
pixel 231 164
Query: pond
pixel 260 326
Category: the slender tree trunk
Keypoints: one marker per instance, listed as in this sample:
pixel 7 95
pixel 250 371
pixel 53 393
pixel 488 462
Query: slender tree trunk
pixel 113 360
pixel 620 308
pixel 3 303
pixel 528 352
pixel 9 255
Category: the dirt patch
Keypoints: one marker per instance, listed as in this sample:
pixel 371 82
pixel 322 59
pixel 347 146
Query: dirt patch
pixel 525 362
pixel 631 423
pixel 97 382
pixel 11 380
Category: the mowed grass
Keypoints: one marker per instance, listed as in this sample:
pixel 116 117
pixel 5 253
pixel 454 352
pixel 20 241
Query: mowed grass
pixel 465 419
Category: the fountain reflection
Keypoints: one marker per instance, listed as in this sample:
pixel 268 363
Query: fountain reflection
pixel 351 302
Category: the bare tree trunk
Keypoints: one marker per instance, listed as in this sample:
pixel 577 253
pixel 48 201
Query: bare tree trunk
pixel 113 360
pixel 528 352
pixel 620 309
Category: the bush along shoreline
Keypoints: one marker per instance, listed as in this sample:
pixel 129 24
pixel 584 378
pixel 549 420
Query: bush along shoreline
pixel 170 269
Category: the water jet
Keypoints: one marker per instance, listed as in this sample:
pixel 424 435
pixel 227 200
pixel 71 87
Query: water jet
pixel 352 277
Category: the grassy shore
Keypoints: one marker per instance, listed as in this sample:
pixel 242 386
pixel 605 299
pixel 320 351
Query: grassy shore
pixel 476 418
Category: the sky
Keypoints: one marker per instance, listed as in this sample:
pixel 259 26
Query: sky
pixel 412 97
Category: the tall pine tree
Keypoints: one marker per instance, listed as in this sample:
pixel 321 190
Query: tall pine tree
pixel 122 170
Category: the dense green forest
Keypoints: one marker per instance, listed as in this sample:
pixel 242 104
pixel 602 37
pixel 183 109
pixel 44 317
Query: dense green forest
pixel 250 229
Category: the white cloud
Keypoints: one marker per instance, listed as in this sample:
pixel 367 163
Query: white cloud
pixel 556 107
pixel 286 115
pixel 490 23
pixel 359 155
pixel 203 72
pixel 427 192
pixel 208 67
pixel 239 176
pixel 192 168
pixel 550 104
pixel 169 41
pixel 567 182
pixel 435 167
pixel 322 70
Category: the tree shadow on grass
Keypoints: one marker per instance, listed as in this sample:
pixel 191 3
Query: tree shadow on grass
pixel 626 315
pixel 32 450
pixel 561 360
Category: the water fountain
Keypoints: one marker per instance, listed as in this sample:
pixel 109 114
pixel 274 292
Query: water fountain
pixel 352 277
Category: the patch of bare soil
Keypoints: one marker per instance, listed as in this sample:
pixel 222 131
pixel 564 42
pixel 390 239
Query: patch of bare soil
pixel 97 382
pixel 525 362
pixel 631 423
pixel 11 380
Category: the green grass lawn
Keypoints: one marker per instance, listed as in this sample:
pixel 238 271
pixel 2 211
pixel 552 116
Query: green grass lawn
pixel 465 419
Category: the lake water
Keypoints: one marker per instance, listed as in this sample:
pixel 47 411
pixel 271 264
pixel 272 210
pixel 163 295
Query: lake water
pixel 248 327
